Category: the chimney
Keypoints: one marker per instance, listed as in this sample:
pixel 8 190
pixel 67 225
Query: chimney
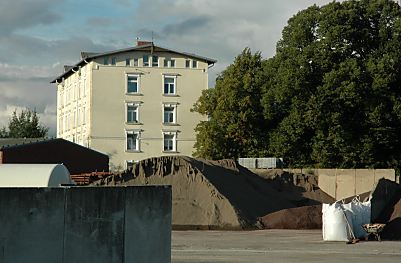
pixel 143 43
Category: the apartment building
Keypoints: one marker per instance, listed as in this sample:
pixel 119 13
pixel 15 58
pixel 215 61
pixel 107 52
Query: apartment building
pixel 132 103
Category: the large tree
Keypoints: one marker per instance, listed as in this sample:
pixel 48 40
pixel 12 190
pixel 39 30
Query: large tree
pixel 235 125
pixel 330 97
pixel 24 125
pixel 334 86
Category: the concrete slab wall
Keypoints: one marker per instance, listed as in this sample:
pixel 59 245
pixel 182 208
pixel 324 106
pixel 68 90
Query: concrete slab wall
pixel 88 224
pixel 343 183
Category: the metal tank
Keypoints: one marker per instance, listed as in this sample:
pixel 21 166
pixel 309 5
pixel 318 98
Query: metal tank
pixel 34 175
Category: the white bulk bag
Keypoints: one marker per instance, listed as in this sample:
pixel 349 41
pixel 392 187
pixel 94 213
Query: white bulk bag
pixel 360 213
pixel 337 224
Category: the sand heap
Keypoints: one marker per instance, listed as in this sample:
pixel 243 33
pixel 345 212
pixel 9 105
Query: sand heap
pixel 215 194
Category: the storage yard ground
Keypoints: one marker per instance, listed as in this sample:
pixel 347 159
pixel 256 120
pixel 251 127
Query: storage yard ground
pixel 275 246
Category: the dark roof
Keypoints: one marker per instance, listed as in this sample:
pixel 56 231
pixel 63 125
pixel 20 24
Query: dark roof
pixel 87 54
pixel 12 142
pixel 86 57
pixel 67 68
pixel 8 143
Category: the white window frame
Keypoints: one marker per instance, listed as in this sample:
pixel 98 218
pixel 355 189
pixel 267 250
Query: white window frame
pixel 170 105
pixel 144 62
pixel 114 61
pixel 187 63
pixel 127 62
pixel 168 63
pixel 174 141
pixel 137 83
pixel 155 64
pixel 136 62
pixel 133 104
pixel 194 64
pixel 136 143
pixel 175 85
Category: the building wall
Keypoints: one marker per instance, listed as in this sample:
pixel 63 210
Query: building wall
pixel 105 126
pixel 73 107
pixel 96 224
pixel 76 158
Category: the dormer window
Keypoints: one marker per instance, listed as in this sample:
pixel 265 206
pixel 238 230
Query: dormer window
pixel 145 60
pixel 155 61
pixel 169 63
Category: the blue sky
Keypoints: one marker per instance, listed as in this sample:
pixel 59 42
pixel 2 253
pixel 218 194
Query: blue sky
pixel 38 37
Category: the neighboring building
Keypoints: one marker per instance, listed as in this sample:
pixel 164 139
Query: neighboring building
pixel 76 158
pixel 132 103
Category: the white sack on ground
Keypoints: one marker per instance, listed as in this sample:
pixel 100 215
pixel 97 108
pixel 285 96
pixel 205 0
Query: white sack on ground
pixel 337 223
pixel 360 212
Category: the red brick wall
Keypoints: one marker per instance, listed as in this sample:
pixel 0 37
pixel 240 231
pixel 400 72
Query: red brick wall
pixel 76 158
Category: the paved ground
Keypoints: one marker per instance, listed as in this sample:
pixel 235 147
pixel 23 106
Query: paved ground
pixel 275 246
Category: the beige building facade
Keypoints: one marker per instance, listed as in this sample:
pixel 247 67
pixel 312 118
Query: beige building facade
pixel 132 104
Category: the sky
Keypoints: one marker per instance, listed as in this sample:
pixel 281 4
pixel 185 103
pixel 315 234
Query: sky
pixel 38 37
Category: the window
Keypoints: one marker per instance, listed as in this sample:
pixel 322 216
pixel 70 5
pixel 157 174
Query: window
pixel 113 61
pixel 127 61
pixel 132 140
pixel 194 64
pixel 169 114
pixel 129 165
pixel 132 113
pixel 135 62
pixel 187 63
pixel 155 61
pixel 169 141
pixel 169 85
pixel 105 61
pixel 169 63
pixel 145 60
pixel 132 84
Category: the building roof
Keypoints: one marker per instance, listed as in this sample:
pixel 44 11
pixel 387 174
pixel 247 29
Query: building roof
pixel 9 143
pixel 86 57
pixel 12 142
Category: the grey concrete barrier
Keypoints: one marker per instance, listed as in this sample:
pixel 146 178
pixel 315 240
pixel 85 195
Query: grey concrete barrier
pixel 85 224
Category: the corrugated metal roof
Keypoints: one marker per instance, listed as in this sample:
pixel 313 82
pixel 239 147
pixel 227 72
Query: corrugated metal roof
pixel 88 56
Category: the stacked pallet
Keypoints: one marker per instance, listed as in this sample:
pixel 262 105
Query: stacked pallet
pixel 88 178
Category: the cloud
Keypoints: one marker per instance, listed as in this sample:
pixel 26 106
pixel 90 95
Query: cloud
pixel 99 22
pixel 21 14
pixel 218 29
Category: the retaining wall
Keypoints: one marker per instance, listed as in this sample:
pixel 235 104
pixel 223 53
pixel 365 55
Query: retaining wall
pixel 343 183
pixel 85 224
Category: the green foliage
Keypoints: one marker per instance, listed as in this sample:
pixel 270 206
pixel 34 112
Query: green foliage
pixel 235 126
pixel 330 97
pixel 334 86
pixel 24 125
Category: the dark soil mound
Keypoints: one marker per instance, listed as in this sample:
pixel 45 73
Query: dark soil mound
pixel 305 217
